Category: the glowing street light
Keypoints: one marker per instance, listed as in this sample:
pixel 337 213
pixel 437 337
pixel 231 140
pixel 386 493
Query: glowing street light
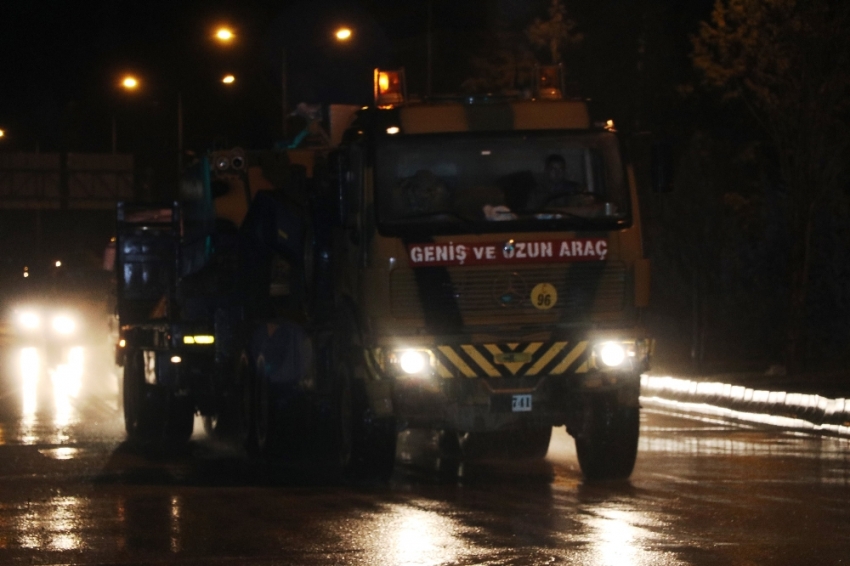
pixel 2 133
pixel 228 79
pixel 224 34
pixel 129 82
pixel 343 34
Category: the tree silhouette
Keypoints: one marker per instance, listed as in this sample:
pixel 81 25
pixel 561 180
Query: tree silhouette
pixel 788 61
pixel 555 33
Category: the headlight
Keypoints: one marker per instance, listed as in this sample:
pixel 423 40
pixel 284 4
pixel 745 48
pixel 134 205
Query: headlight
pixel 29 320
pixel 612 354
pixel 622 354
pixel 63 324
pixel 410 362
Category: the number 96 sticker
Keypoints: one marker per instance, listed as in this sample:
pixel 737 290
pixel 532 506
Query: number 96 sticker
pixel 544 296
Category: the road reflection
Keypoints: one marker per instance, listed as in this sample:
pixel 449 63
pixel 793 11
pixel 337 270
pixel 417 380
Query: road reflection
pixel 30 371
pixel 617 540
pixel 65 381
pixel 408 535
pixel 176 543
pixel 55 526
pixel 51 395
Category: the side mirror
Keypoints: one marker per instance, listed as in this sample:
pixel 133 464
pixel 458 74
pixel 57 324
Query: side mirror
pixel 661 166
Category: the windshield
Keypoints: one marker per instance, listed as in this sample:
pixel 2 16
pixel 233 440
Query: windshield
pixel 530 178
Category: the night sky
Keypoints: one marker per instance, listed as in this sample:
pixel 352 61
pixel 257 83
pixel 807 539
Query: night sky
pixel 61 62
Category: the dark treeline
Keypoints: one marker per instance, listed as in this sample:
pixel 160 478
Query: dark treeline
pixel 751 252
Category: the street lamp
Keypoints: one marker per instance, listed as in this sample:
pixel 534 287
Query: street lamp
pixel 343 34
pixel 224 34
pixel 130 82
pixel 228 79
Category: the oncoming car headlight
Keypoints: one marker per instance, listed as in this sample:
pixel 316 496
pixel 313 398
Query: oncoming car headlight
pixel 63 324
pixel 410 362
pixel 29 320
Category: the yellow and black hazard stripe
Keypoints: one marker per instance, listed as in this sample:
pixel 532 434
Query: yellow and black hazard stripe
pixel 517 359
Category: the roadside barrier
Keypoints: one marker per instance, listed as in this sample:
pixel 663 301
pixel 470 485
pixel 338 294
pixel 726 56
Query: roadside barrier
pixel 775 407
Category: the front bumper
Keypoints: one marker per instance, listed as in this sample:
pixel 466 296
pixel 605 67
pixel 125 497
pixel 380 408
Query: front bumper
pixel 488 404
pixel 484 387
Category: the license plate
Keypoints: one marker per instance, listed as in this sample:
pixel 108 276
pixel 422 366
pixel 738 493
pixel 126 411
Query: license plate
pixel 521 403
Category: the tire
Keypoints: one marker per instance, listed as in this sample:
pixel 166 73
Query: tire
pixel 142 412
pixel 179 420
pixel 233 422
pixel 151 413
pixel 375 446
pixel 364 445
pixel 264 414
pixel 607 445
pixel 343 421
pixel 243 419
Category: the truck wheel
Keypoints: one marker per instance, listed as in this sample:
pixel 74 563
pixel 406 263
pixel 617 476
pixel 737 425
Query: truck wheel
pixel 179 419
pixel 231 421
pixel 375 445
pixel 244 396
pixel 343 426
pixel 142 410
pixel 365 445
pixel 607 444
pixel 264 414
pixel 152 414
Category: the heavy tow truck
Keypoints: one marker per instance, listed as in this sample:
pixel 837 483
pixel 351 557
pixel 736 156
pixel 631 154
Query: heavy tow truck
pixel 468 266
pixel 492 297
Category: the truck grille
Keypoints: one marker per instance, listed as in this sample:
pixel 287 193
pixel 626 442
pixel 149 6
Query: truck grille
pixel 583 289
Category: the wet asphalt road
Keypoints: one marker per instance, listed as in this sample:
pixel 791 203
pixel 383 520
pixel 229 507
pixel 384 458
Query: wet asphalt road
pixel 703 492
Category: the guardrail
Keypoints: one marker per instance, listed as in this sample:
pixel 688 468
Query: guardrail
pixel 738 401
